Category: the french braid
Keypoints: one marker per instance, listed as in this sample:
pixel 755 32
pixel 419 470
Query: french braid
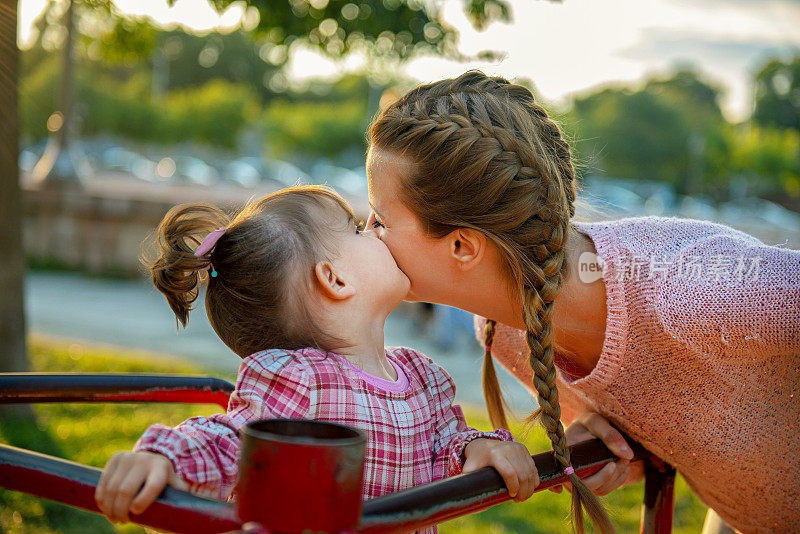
pixel 487 157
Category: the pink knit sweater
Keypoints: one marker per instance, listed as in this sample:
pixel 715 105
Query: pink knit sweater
pixel 700 363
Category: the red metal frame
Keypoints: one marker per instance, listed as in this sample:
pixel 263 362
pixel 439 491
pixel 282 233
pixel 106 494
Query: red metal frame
pixel 16 388
pixel 74 484
pixel 659 497
pixel 179 511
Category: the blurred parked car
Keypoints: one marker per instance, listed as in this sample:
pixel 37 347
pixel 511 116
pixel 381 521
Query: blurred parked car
pixel 242 172
pixel 196 171
pixel 285 173
pixel 610 199
pixel 117 158
pixel 340 178
pixel 696 207
pixel 757 211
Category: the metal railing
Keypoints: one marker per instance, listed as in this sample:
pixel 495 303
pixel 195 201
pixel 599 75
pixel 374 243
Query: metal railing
pixel 180 511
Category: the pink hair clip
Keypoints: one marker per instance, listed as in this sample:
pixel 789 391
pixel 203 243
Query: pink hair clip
pixel 207 245
pixel 569 470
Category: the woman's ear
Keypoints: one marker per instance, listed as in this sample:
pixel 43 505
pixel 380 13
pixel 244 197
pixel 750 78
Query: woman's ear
pixel 467 247
pixel 331 284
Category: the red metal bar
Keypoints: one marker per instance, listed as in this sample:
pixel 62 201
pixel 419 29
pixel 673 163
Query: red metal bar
pixel 465 494
pixel 659 497
pixel 18 388
pixel 178 511
pixel 74 484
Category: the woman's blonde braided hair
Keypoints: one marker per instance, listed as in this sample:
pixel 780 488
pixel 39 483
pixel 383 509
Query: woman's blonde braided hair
pixel 487 157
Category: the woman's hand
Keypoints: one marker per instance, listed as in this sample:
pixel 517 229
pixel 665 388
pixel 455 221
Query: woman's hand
pixel 511 459
pixel 131 481
pixel 622 472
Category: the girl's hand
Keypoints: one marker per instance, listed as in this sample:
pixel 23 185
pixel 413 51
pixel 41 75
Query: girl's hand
pixel 622 472
pixel 131 482
pixel 511 459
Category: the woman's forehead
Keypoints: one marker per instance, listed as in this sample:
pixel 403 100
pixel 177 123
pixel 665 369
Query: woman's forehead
pixel 385 172
pixel 388 162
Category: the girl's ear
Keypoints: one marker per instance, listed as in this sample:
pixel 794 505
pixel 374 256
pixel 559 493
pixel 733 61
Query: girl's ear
pixel 331 284
pixel 467 247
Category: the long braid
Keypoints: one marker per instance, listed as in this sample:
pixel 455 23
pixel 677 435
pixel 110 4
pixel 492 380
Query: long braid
pixel 537 312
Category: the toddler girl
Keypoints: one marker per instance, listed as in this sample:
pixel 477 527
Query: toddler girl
pixel 301 293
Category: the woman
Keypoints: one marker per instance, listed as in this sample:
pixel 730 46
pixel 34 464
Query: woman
pixel 473 190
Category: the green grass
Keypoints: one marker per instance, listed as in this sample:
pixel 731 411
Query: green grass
pixel 91 433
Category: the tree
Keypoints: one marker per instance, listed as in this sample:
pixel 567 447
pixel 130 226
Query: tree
pixel 56 162
pixel 632 135
pixel 777 94
pixel 182 60
pixel 12 319
pixel 698 99
pixel 663 131
pixel 388 28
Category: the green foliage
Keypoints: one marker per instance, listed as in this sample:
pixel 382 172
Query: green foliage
pixel 214 113
pixel 777 87
pixel 772 155
pixel 385 28
pixel 85 433
pixel 632 135
pixel 37 97
pixel 127 41
pixel 317 128
pixel 697 99
pixel 186 60
pixel 673 130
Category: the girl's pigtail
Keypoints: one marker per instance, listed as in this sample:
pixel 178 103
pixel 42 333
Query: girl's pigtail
pixel 175 270
pixel 496 404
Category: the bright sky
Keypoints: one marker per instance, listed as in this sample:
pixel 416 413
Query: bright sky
pixel 570 46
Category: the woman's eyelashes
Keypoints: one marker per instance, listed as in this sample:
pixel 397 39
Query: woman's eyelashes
pixel 373 221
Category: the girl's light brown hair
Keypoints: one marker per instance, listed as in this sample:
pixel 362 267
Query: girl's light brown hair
pixel 486 156
pixel 264 263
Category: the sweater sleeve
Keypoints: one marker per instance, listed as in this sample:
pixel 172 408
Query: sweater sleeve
pixel 729 295
pixel 205 450
pixel 451 433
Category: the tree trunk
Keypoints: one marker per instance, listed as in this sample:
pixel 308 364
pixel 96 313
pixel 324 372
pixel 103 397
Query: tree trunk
pixel 56 164
pixel 13 355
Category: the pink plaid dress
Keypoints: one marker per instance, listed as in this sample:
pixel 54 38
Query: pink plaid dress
pixel 415 434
